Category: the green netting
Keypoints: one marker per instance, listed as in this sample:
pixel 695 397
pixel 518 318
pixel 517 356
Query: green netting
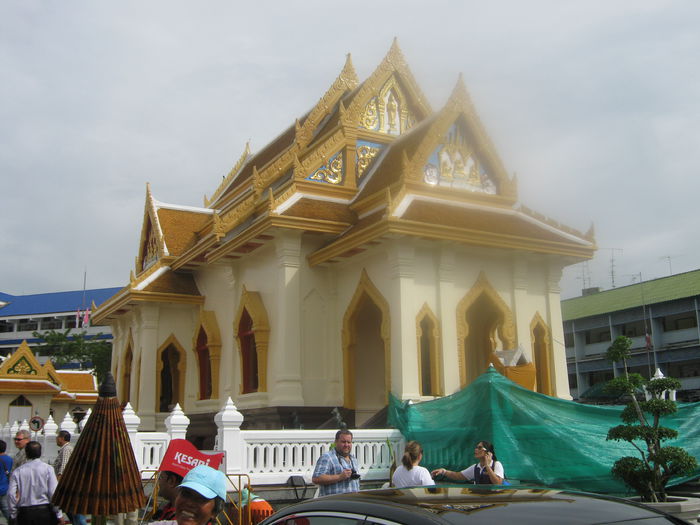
pixel 539 439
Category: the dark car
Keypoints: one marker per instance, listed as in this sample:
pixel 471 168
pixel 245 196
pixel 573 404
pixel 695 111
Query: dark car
pixel 474 504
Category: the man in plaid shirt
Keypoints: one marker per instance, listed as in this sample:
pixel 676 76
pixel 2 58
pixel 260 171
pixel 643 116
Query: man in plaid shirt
pixel 65 449
pixel 59 465
pixel 336 470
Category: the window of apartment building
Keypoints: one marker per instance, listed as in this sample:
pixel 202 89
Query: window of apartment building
pixel 573 382
pixel 569 339
pixel 599 376
pixel 679 321
pixel 633 329
pixel 28 325
pixel 684 369
pixel 51 323
pixel 6 326
pixel 70 321
pixel 597 335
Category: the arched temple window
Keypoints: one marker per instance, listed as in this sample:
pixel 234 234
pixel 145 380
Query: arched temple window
pixel 204 365
pixel 428 353
pixel 170 378
pixel 539 332
pixel 126 374
pixel 249 357
pixel 252 330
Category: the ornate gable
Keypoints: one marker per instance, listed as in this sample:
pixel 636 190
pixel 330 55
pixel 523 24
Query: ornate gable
pixel 22 363
pixel 152 244
pixel 389 102
pixel 456 152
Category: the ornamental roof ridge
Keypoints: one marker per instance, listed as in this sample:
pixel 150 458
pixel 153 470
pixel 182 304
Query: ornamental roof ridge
pixel 345 81
pixel 181 207
pixel 563 228
pixel 228 179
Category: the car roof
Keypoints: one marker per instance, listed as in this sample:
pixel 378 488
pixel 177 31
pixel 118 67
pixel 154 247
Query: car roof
pixel 478 504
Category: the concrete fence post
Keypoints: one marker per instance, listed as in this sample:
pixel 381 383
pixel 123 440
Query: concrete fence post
pixel 177 423
pixel 132 422
pixel 230 440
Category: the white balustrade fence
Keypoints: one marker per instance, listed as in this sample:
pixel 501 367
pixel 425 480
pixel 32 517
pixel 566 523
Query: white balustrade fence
pixel 270 457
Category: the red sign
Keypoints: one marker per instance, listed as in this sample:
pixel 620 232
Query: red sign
pixel 182 456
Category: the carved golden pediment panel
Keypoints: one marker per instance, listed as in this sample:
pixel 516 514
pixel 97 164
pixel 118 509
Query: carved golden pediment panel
pixel 455 164
pixel 388 111
pixel 333 172
pixel 365 154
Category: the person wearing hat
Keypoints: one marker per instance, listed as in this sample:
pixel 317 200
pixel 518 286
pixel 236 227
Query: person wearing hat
pixel 200 497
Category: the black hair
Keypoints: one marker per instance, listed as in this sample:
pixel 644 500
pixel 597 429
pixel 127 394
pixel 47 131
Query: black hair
pixel 489 448
pixel 342 432
pixel 64 435
pixel 3 446
pixel 33 450
pixel 172 475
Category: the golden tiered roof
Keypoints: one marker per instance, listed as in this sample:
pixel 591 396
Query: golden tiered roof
pixel 369 160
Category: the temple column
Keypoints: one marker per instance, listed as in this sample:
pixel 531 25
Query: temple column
pixel 446 313
pixel 522 313
pixel 148 319
pixel 403 308
pixel 286 355
pixel 560 374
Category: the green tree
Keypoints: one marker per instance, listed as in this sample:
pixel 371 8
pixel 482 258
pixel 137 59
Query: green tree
pixel 69 346
pixel 648 474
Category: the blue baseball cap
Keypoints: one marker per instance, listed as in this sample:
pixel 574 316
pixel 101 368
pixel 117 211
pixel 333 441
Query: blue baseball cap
pixel 206 481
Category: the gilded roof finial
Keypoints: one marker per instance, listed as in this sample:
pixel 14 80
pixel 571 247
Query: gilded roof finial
pixel 348 74
pixel 459 98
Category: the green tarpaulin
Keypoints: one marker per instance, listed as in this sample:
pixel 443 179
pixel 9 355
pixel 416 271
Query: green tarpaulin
pixel 539 439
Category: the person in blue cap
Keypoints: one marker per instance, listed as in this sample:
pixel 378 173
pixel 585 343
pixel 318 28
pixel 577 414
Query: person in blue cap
pixel 200 497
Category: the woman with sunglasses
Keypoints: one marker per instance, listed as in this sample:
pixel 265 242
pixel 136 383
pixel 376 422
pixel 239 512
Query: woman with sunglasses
pixel 488 471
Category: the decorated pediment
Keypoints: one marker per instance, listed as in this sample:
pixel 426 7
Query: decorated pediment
pixel 332 172
pixel 388 112
pixel 454 163
pixel 22 363
pixel 152 245
pixel 389 101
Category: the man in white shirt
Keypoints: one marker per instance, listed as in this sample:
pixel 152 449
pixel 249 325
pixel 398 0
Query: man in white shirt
pixel 31 488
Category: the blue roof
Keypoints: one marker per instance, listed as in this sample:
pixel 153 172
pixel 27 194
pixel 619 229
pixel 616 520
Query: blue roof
pixel 48 303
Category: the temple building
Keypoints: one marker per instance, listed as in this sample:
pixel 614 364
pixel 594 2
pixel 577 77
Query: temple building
pixel 374 246
pixel 28 389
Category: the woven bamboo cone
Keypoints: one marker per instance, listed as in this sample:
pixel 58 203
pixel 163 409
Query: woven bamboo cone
pixel 101 477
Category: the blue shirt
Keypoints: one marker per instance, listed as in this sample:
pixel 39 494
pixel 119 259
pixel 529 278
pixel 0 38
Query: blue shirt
pixel 330 463
pixel 5 467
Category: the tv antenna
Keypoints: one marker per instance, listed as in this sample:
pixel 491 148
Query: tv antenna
pixel 612 264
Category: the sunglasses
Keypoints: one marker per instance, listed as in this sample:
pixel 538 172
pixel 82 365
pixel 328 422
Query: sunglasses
pixel 20 439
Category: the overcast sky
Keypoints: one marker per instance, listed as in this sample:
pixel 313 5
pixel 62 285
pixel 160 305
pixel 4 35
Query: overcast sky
pixel 594 104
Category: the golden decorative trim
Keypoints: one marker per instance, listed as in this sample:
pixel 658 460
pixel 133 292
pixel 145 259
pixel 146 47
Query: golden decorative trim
pixel 253 304
pixel 347 80
pixel 435 350
pixel 332 172
pixel 323 152
pixel 231 175
pixel 181 370
pixel 503 324
pixel 349 337
pixel 542 357
pixel 227 222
